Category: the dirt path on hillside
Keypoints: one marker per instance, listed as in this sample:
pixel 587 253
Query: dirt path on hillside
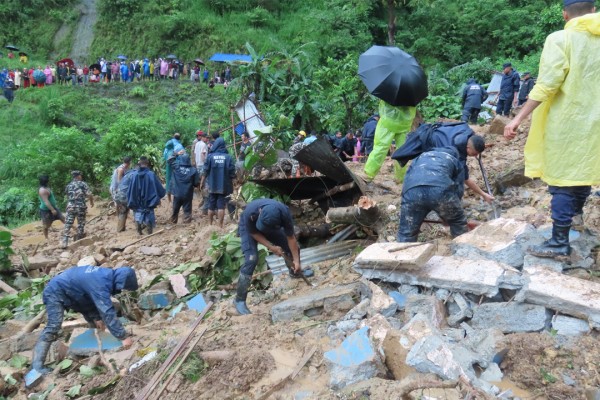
pixel 84 33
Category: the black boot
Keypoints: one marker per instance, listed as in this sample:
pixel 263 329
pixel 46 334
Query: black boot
pixel 138 227
pixel 242 294
pixel 40 351
pixel 557 246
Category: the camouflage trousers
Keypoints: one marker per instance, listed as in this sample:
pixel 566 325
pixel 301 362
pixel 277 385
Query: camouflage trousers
pixel 73 212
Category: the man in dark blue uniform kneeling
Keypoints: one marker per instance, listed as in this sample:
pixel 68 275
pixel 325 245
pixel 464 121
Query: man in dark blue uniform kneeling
pixel 434 182
pixel 86 290
pixel 269 223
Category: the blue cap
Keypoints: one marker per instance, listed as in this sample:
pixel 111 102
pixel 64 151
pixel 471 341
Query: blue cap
pixel 506 65
pixel 567 3
pixel 269 219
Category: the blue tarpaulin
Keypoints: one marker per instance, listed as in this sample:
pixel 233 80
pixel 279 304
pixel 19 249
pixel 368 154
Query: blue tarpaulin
pixel 240 128
pixel 242 58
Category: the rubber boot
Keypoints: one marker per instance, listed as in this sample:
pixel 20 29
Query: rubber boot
pixel 121 223
pixel 242 293
pixel 40 351
pixel 138 227
pixel 149 229
pixel 64 242
pixel 557 246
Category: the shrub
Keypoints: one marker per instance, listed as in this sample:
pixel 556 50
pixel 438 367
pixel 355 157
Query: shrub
pixel 16 204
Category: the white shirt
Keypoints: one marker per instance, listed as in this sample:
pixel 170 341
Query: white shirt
pixel 200 152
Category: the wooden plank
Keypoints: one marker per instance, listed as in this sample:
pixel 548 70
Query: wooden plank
pixel 7 288
pixel 291 376
pixel 121 248
pixel 156 378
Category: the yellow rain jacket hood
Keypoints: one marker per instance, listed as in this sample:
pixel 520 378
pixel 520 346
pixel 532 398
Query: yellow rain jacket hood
pixel 563 147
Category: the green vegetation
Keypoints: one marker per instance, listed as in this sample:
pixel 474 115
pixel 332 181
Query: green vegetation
pixel 5 251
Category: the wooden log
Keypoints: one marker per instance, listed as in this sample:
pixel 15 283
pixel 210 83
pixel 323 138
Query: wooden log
pixel 332 191
pixel 303 231
pixel 33 324
pixel 121 248
pixel 7 288
pixel 365 212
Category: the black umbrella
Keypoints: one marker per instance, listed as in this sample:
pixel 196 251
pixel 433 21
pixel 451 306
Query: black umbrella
pixel 12 47
pixel 172 56
pixel 392 75
pixel 199 61
pixel 95 69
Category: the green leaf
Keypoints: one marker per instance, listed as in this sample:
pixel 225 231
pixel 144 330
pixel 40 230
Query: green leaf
pixel 86 371
pixel 66 363
pixel 74 391
pixel 18 361
pixel 10 380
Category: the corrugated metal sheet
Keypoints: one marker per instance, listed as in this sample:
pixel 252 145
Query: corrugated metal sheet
pixel 250 116
pixel 313 255
pixel 493 89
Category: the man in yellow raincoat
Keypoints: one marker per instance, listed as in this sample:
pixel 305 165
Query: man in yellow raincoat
pixel 563 147
pixel 394 123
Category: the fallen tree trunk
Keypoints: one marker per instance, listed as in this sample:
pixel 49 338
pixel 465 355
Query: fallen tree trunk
pixel 303 231
pixel 364 213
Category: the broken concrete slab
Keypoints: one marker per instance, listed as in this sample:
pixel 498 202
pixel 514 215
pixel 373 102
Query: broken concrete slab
pixel 515 176
pixel 329 300
pixel 502 240
pixel 380 302
pixel 84 342
pixel 151 251
pixel 40 261
pixel 569 326
pixel 378 328
pixel 533 261
pixel 511 317
pixel 359 311
pixel 464 310
pixel 85 261
pixel 356 359
pixel 399 298
pixel 428 306
pixel 563 293
pixel 179 285
pixel 477 276
pixel 492 373
pixel 155 299
pixel 389 256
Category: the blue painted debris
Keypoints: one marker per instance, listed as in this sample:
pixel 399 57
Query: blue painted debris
pixel 154 300
pixel 32 378
pixel 399 298
pixel 175 311
pixel 197 303
pixel 354 360
pixel 86 343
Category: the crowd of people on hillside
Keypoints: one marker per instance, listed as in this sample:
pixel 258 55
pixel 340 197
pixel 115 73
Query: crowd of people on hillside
pixel 106 71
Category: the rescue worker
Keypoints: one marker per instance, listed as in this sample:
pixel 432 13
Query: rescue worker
pixel 393 125
pixel 219 171
pixel 434 182
pixel 269 223
pixel 347 147
pixel 563 145
pixel 143 196
pixel 184 179
pixel 122 209
pixel 86 290
pixel 77 192
pixel 472 98
pixel 526 88
pixel 509 87
pixel 120 198
pixel 368 133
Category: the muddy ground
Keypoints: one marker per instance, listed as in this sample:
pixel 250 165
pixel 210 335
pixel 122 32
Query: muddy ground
pixel 263 352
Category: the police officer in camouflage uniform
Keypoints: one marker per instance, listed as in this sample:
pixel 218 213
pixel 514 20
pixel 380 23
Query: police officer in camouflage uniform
pixel 77 192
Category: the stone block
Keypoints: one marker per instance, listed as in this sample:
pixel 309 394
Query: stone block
pixel 477 276
pixel 428 306
pixel 179 285
pixel 84 343
pixel 395 355
pixel 563 293
pixel 359 311
pixel 569 326
pixel 378 328
pixel 502 240
pixel 448 361
pixel 533 261
pixel 330 300
pixel 100 258
pixel 151 251
pixel 515 176
pixel 155 299
pixel 497 125
pixel 395 256
pixel 40 261
pixel 342 329
pixel 380 302
pixel 87 260
pixel 492 374
pixel 399 298
pixel 490 344
pixel 511 317
pixel 464 310
pixel 356 359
